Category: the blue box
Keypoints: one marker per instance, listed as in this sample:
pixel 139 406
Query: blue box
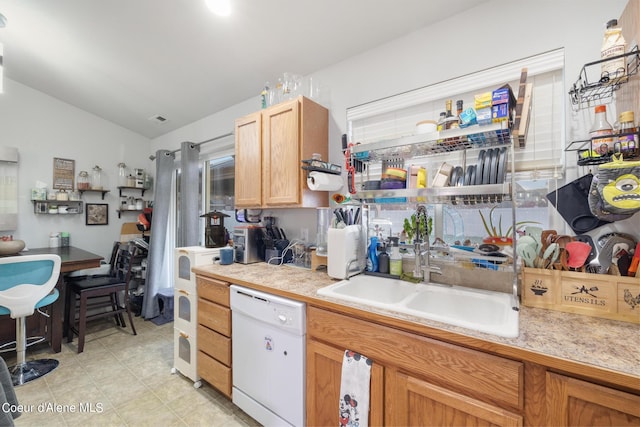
pixel 468 118
pixel 499 113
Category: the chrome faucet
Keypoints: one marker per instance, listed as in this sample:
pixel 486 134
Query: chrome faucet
pixel 421 247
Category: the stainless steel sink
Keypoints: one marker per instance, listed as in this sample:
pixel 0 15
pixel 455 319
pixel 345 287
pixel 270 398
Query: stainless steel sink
pixel 480 310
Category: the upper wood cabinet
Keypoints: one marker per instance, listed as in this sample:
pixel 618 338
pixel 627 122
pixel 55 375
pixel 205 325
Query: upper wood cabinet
pixel 270 145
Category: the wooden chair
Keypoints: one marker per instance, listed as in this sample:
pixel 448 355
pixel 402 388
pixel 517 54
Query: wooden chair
pixel 92 293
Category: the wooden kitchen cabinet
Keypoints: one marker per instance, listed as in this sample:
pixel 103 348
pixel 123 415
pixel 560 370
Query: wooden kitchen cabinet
pixel 416 402
pixel 214 333
pixel 573 402
pixel 270 145
pixel 324 368
pixel 415 380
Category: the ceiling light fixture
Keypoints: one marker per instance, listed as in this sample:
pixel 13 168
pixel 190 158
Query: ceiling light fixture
pixel 219 7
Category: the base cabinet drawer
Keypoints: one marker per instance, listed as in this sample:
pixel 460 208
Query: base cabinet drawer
pixel 215 345
pixel 215 317
pixel 215 373
pixel 213 290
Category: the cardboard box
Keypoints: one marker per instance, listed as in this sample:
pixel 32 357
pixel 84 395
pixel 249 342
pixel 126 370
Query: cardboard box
pixel 482 100
pixel 500 113
pixel 596 295
pixel 484 116
pixel 503 95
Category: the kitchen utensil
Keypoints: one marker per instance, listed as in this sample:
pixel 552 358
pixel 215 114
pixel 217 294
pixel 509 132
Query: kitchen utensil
pixel 502 165
pixel 468 174
pixel 544 237
pixel 577 254
pixel 455 173
pixel 624 262
pixel 550 255
pixel 587 239
pixel 605 255
pixel 487 249
pixel 486 168
pixel 535 233
pixel 479 167
pixel 635 261
pixel 602 239
pixel 527 253
pixel 530 241
pixel 493 175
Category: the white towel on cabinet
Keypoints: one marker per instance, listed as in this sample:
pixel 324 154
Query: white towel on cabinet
pixel 354 390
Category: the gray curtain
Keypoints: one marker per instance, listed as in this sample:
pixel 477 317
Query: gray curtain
pixel 165 167
pixel 189 195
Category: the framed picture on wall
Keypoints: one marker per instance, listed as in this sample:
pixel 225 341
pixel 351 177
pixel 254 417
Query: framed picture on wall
pixel 97 214
pixel 63 173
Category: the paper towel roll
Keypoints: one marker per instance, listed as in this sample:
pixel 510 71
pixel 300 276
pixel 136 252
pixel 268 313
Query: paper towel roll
pixel 320 181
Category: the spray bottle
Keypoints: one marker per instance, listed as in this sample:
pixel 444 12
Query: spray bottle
pixel 372 258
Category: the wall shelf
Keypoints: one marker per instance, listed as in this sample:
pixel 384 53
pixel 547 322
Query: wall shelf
pixel 584 91
pixel 103 192
pixel 121 211
pixel 41 207
pixel 428 144
pixel 142 190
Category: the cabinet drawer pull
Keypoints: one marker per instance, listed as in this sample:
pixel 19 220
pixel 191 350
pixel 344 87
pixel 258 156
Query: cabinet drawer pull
pixel 182 291
pixel 183 335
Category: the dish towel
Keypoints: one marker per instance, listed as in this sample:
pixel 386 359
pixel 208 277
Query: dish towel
pixel 354 390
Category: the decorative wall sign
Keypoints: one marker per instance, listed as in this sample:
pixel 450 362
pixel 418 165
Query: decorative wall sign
pixel 97 214
pixel 63 173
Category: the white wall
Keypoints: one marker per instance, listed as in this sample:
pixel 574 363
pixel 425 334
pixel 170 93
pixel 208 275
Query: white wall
pixel 41 127
pixel 491 34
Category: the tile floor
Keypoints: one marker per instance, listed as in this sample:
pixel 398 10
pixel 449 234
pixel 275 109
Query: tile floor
pixel 127 381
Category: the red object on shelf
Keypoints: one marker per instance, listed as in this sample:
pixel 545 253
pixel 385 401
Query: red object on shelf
pixel 633 268
pixel 500 241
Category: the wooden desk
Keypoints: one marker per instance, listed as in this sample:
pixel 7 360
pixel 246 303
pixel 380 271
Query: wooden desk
pixel 73 259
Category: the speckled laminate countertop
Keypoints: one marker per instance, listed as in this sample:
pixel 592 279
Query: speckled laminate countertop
pixel 548 337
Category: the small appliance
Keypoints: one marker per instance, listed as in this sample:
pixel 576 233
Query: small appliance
pixel 247 241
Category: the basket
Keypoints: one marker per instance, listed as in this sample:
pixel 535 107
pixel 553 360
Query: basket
pixel 597 295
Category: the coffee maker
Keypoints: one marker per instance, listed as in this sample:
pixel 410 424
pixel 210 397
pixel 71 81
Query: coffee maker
pixel 248 244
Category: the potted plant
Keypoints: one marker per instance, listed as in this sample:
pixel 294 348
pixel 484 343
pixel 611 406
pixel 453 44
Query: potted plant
pixel 411 227
pixel 496 237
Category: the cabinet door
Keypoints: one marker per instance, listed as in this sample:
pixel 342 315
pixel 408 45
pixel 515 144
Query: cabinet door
pixel 572 402
pixel 324 369
pixel 414 402
pixel 281 155
pixel 248 163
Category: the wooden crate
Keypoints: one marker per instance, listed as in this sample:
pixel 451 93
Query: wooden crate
pixel 598 295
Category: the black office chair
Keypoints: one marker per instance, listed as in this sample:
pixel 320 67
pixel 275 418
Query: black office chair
pixel 91 291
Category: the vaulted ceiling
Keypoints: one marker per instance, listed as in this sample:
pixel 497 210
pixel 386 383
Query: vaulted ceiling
pixel 129 60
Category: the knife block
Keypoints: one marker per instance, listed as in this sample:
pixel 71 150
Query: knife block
pixel 346 251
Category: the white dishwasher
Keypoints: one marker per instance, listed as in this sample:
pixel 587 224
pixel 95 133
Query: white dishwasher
pixel 268 353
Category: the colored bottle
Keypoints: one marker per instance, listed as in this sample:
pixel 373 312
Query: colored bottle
pixel 613 45
pixel 628 139
pixel 601 132
pixel 383 260
pixel 372 259
pixel 395 259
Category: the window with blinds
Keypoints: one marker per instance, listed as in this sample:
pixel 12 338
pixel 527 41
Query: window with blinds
pixel 542 157
pixel 543 154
